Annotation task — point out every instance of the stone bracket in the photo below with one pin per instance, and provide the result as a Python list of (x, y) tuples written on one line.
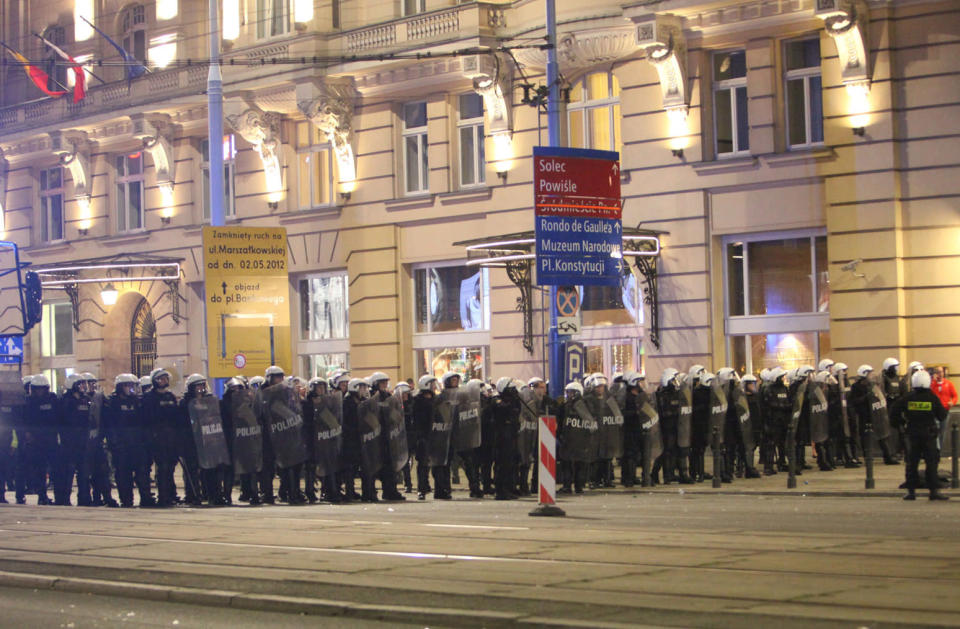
[(492, 80), (74, 151), (846, 23), (661, 37), (153, 131), (329, 106), (262, 130)]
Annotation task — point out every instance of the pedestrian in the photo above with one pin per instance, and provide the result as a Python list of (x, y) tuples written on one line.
[(943, 389), (922, 413)]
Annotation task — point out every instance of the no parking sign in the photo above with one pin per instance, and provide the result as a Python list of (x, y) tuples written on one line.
[(568, 310)]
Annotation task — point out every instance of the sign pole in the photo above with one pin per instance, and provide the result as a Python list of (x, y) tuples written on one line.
[(553, 133)]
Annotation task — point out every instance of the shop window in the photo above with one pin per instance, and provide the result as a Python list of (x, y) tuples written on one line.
[(804, 99), (51, 204), (473, 162), (612, 305), (56, 330), (129, 192), (468, 361), (731, 128), (322, 365), (229, 174), (314, 168), (593, 114), (416, 167), (324, 308), (452, 299)]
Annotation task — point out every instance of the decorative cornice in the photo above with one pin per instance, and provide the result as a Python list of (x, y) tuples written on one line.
[(577, 50), (846, 23), (329, 106), (262, 130), (74, 151), (492, 80), (661, 37), (155, 133)]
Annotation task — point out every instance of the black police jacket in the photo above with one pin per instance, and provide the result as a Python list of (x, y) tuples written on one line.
[(921, 411)]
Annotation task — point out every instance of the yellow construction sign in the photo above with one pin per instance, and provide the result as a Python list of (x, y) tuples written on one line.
[(247, 300)]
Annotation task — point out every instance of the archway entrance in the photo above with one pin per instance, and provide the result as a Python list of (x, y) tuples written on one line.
[(143, 340)]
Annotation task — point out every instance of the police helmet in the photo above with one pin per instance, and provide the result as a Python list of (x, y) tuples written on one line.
[(378, 376), (534, 381), (920, 379), (426, 383), (39, 381), (766, 375), (890, 362), (125, 378), (355, 384), (257, 381), (273, 370), (914, 366), (864, 370), (619, 376), (402, 387), (157, 373), (340, 378), (825, 364), (574, 386), (25, 381), (72, 381), (726, 374), (88, 377), (633, 378), (804, 370), (696, 370), (822, 376), (447, 376), (194, 378), (776, 373), (235, 383), (145, 382), (838, 367), (315, 381), (748, 378), (707, 378), (669, 375), (505, 383)]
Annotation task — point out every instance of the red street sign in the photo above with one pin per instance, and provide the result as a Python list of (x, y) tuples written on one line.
[(577, 183)]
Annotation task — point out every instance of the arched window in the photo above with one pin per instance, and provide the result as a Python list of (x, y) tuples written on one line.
[(143, 340), (593, 114), (55, 68), (133, 31)]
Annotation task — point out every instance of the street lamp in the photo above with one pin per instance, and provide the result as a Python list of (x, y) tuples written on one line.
[(109, 294)]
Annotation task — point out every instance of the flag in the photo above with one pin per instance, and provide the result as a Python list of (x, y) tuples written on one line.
[(134, 67), (38, 76), (79, 78)]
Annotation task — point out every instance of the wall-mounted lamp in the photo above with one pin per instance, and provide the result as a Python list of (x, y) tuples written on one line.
[(82, 231), (859, 131), (165, 220), (345, 196), (109, 295), (273, 204), (502, 174), (678, 153)]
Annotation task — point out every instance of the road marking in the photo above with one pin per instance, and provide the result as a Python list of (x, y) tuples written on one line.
[(478, 526)]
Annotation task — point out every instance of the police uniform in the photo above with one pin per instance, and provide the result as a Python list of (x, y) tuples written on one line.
[(921, 413)]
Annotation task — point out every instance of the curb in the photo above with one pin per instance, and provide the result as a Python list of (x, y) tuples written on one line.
[(427, 616), (682, 490)]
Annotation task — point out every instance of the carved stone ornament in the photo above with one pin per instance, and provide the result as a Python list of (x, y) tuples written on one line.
[(153, 132), (579, 50), (661, 37), (262, 130), (74, 151), (329, 106), (492, 80), (846, 23)]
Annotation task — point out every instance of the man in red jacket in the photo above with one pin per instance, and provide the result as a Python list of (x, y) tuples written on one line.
[(943, 388)]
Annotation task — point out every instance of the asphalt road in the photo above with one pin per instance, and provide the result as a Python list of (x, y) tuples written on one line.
[(668, 557)]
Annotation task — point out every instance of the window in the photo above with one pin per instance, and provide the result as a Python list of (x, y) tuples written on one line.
[(730, 103), (56, 70), (412, 7), (593, 115), (452, 299), (273, 18), (229, 170), (415, 165), (314, 168), (611, 305), (335, 13), (51, 204), (778, 300), (133, 24), (324, 343), (324, 307), (56, 330), (803, 93), (473, 162), (468, 361), (129, 192)]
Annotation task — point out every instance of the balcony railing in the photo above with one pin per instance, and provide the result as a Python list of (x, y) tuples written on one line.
[(460, 22)]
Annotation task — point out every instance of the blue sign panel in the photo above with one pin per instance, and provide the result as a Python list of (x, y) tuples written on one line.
[(578, 229), (11, 349)]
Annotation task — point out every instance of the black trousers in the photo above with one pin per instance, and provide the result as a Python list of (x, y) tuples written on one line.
[(441, 480), (923, 444), (70, 466), (132, 467)]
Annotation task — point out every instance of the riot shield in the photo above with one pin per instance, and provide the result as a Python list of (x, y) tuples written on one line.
[(653, 437), (208, 432), (718, 412), (611, 430), (819, 417), (368, 414), (685, 419), (441, 429), (878, 411), (579, 434), (247, 433), (798, 399), (11, 405), (391, 420), (527, 436), (328, 421), (466, 430), (844, 409), (283, 412), (742, 405)]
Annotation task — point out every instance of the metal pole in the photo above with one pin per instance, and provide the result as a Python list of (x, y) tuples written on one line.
[(715, 451), (215, 120), (868, 454), (955, 454), (553, 133)]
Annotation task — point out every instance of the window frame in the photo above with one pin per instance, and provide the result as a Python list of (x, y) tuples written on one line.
[(307, 347), (46, 195), (314, 148), (229, 175), (267, 7), (420, 8), (431, 352), (430, 339), (423, 143), (137, 14), (732, 85), (476, 124), (585, 106), (58, 77), (123, 183), (804, 74), (48, 333)]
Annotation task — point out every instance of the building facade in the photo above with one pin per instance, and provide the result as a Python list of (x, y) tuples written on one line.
[(798, 159)]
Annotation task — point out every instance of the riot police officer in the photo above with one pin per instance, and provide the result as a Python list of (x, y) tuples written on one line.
[(670, 403), (74, 428), (39, 438), (870, 404), (96, 464), (778, 406), (161, 416), (922, 413), (350, 451), (127, 440), (423, 415), (507, 425)]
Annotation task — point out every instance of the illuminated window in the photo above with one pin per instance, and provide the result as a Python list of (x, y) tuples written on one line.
[(56, 330), (314, 168), (324, 343), (593, 114), (473, 162), (416, 167), (731, 128), (51, 204), (804, 99), (452, 299), (469, 362), (129, 192), (778, 299), (229, 170)]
